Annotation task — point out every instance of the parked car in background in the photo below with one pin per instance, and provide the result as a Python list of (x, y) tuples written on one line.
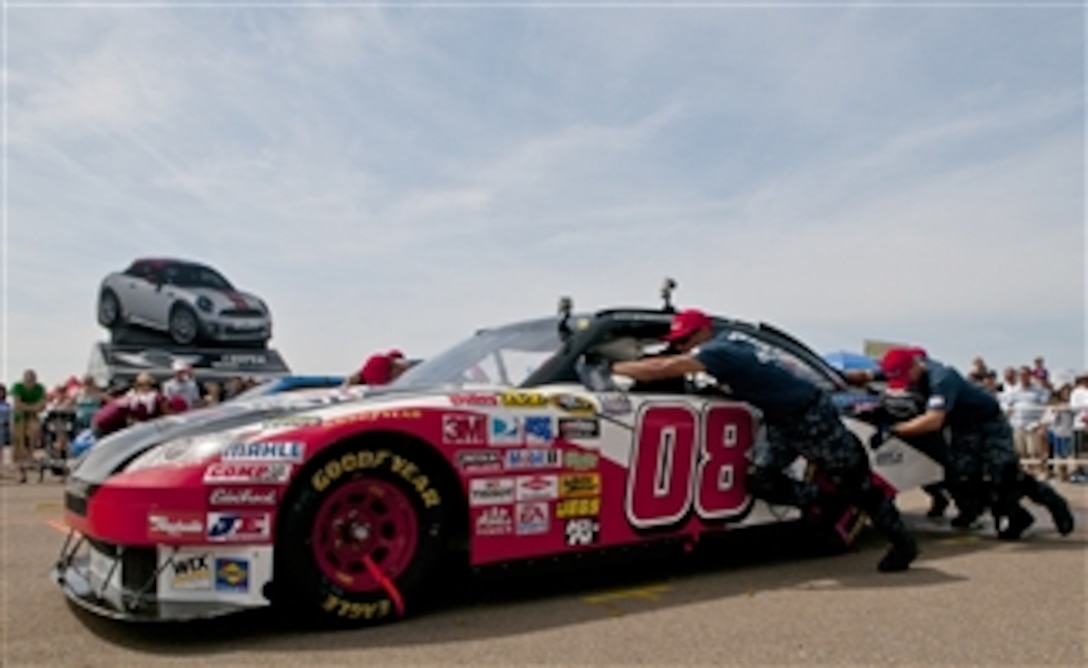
[(188, 301)]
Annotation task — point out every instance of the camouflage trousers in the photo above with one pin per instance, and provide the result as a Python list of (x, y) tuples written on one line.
[(819, 435), (980, 454)]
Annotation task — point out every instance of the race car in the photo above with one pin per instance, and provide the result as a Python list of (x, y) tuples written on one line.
[(189, 301), (514, 445)]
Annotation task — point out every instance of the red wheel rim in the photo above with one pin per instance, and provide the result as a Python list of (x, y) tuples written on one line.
[(364, 518)]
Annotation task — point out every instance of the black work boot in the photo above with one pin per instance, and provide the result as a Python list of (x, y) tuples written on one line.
[(1019, 521), (937, 507), (1058, 507), (966, 518), (898, 558)]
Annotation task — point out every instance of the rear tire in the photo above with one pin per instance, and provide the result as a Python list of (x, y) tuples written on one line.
[(366, 502), (109, 309)]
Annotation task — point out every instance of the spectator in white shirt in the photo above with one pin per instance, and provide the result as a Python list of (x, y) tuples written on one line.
[(182, 386), (1025, 405), (1059, 420)]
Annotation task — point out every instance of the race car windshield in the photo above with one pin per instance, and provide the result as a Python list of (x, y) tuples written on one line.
[(196, 276), (502, 356)]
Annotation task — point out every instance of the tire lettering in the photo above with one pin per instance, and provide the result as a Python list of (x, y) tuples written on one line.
[(366, 459), (355, 610), (684, 461)]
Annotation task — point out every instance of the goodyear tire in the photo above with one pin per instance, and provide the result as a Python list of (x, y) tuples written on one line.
[(109, 309), (361, 537)]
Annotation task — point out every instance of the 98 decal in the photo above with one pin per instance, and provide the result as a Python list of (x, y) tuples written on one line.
[(683, 458)]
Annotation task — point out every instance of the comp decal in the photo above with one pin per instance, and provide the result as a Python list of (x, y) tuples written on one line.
[(384, 460)]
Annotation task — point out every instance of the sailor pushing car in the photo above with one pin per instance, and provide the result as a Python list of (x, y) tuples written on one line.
[(980, 451), (800, 418)]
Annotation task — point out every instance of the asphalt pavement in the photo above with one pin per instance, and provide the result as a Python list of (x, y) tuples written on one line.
[(970, 600)]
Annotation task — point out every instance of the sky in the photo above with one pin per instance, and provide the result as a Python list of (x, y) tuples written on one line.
[(401, 175)]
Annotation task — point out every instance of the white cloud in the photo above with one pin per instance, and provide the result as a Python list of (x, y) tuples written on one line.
[(400, 176)]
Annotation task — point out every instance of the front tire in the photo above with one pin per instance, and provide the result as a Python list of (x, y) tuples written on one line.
[(184, 325), (361, 539)]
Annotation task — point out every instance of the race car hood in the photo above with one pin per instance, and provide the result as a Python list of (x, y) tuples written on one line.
[(227, 299), (112, 453)]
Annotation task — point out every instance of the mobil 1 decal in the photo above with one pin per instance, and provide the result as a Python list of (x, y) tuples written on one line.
[(685, 460)]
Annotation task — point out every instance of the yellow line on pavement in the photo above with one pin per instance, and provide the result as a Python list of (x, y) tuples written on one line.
[(647, 593), (43, 506)]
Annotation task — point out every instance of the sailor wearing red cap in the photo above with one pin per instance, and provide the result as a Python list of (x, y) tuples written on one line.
[(980, 453), (380, 369), (800, 418)]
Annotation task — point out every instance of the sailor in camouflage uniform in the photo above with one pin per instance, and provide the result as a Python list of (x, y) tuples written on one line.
[(801, 420), (981, 462)]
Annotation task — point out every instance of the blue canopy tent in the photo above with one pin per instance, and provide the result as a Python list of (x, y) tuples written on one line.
[(844, 360)]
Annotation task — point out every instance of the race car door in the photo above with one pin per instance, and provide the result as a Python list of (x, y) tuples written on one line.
[(688, 461)]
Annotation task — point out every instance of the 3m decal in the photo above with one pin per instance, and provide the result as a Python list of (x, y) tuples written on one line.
[(242, 496), (504, 430), (292, 451), (537, 488), (539, 430), (495, 521), (363, 460), (519, 399), (247, 472), (479, 461), (349, 610), (521, 459), (461, 429), (472, 399), (232, 575), (580, 461), (579, 485), (573, 403), (582, 531), (682, 460), (167, 526), (191, 573), (490, 491), (577, 508), (239, 526), (574, 428), (532, 518)]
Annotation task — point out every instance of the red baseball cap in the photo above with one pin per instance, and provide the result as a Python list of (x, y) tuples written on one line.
[(897, 363), (687, 322)]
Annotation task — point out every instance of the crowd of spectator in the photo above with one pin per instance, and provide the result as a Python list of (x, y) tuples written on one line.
[(1048, 415), (34, 418)]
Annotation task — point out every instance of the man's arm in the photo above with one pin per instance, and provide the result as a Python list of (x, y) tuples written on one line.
[(658, 368), (926, 423)]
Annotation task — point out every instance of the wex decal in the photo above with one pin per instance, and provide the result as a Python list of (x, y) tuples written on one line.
[(191, 573), (265, 451), (234, 527)]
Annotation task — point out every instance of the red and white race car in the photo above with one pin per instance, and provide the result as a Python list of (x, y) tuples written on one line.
[(514, 445)]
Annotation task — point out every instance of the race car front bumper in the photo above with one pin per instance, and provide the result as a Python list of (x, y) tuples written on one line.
[(123, 584)]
